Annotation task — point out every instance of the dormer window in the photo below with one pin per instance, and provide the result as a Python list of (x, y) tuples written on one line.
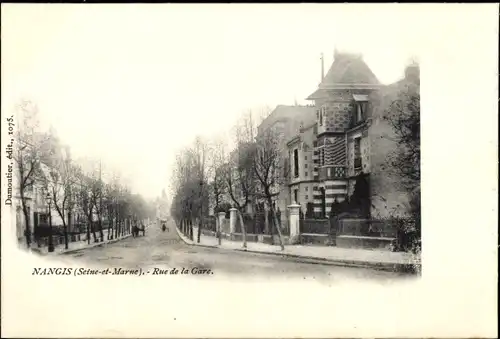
[(360, 116), (360, 108)]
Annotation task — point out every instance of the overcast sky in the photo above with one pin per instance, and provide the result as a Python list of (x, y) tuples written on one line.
[(131, 84)]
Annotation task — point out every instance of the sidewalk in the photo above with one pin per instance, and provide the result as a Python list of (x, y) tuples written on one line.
[(352, 257), (78, 245)]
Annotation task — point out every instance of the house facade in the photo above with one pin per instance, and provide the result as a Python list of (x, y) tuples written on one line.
[(348, 141), (285, 121), (301, 176), (342, 147), (341, 142), (35, 195)]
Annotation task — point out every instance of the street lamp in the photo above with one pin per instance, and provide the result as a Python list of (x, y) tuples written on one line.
[(48, 198)]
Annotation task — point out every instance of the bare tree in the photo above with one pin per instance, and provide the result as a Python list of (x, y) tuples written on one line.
[(96, 196), (62, 176), (182, 206), (270, 170), (239, 173), (190, 186), (85, 185), (201, 153), (110, 198), (31, 144), (218, 184)]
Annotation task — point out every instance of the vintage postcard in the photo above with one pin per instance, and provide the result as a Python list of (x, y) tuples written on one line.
[(251, 170)]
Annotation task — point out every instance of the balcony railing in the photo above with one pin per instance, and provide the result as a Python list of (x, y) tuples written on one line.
[(331, 172)]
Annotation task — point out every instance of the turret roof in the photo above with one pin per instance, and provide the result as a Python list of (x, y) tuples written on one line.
[(347, 71)]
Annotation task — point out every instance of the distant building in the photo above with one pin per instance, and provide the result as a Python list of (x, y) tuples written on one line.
[(162, 206)]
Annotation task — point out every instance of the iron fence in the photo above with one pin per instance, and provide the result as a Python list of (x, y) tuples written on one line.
[(209, 223), (367, 227), (315, 226)]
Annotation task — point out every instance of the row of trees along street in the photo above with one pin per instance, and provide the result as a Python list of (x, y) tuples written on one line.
[(44, 164), (252, 171)]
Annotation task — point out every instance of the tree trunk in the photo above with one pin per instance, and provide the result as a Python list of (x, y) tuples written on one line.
[(266, 222), (89, 225), (273, 214), (110, 227), (243, 230), (65, 225), (65, 228), (101, 233), (117, 222), (93, 232), (190, 226), (218, 229), (69, 220), (200, 223), (27, 230)]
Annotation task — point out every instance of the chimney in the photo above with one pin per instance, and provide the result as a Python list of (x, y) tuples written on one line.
[(322, 67), (412, 72)]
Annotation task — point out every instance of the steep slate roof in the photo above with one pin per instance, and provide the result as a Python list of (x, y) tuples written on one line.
[(304, 114), (348, 70)]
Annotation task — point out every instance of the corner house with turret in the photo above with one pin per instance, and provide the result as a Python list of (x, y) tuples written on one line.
[(346, 147)]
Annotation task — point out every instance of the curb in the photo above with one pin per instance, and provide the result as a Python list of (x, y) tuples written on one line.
[(92, 245), (392, 267), (97, 244), (190, 242)]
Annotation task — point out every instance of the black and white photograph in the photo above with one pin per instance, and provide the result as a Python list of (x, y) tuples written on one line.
[(169, 162)]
